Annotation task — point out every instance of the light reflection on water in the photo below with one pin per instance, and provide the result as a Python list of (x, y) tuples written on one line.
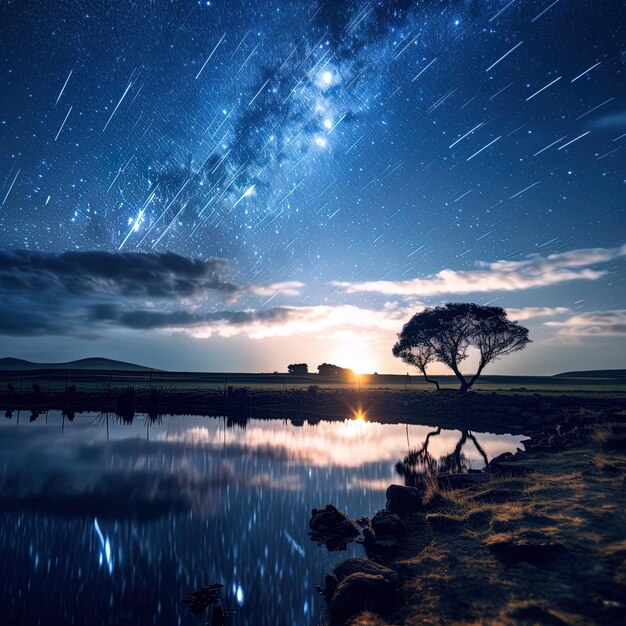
[(118, 531)]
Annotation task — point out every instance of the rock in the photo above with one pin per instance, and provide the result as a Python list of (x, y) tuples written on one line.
[(352, 566), (514, 466), (330, 584), (386, 522), (382, 547), (513, 552), (401, 499), (327, 518), (332, 527), (505, 456), (361, 591)]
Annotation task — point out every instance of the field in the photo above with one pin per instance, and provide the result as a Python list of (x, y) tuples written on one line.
[(102, 380), (499, 404)]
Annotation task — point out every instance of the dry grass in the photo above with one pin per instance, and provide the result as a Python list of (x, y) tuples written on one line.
[(575, 499), (602, 434)]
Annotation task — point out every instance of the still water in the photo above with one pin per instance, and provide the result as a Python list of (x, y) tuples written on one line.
[(115, 525)]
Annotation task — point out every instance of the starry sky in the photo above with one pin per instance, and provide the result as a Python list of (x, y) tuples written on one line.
[(242, 184)]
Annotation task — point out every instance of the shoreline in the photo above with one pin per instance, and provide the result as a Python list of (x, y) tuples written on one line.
[(538, 538), (480, 411)]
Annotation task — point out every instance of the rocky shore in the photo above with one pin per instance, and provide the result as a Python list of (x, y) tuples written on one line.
[(537, 537)]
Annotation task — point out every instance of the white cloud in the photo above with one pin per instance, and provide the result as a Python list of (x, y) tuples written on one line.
[(535, 271), (536, 311), (318, 321), (596, 323), (286, 288)]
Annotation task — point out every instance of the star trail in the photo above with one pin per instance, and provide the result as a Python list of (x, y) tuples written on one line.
[(317, 141)]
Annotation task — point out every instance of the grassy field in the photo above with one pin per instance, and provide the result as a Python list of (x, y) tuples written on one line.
[(101, 380)]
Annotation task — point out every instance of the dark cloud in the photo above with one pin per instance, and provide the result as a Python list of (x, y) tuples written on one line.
[(128, 274), (143, 319), (71, 293), (84, 293)]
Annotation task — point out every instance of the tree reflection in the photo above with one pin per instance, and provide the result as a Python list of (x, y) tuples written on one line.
[(420, 465)]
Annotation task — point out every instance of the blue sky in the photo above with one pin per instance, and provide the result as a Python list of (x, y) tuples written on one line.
[(348, 163)]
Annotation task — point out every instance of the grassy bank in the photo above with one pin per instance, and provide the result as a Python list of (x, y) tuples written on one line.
[(541, 543), (497, 412)]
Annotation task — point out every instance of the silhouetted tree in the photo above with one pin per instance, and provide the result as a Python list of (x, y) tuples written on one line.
[(328, 369), (298, 368), (446, 333), (419, 356)]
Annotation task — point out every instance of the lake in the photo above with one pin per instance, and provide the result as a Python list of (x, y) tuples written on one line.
[(114, 524)]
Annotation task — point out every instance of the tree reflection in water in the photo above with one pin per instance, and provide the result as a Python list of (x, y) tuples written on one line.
[(419, 465)]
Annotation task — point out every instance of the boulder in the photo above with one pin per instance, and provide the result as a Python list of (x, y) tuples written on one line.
[(358, 592), (510, 464), (332, 527), (401, 499), (385, 522), (512, 468), (381, 547), (505, 456), (352, 566)]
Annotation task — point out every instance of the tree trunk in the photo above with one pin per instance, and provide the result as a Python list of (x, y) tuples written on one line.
[(430, 380), (475, 376), (464, 385)]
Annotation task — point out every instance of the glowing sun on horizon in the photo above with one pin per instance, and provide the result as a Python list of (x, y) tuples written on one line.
[(355, 358)]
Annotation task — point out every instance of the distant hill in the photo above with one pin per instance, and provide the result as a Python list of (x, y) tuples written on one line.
[(95, 363), (593, 374)]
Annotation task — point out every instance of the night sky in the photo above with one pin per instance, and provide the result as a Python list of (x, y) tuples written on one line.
[(241, 184)]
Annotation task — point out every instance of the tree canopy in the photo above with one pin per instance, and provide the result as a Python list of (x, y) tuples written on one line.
[(446, 333), (298, 368), (328, 369)]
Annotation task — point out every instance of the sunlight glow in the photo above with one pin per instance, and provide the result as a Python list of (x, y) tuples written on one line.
[(356, 358), (358, 425)]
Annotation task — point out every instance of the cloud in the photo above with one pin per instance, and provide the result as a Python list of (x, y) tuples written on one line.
[(82, 293), (279, 321), (593, 324), (287, 288), (318, 321), (539, 311), (535, 271), (87, 293), (128, 274), (613, 120)]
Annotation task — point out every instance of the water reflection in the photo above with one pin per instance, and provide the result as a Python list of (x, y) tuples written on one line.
[(419, 464), (109, 520)]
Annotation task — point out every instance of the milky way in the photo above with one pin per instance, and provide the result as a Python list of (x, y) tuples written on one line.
[(314, 141)]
